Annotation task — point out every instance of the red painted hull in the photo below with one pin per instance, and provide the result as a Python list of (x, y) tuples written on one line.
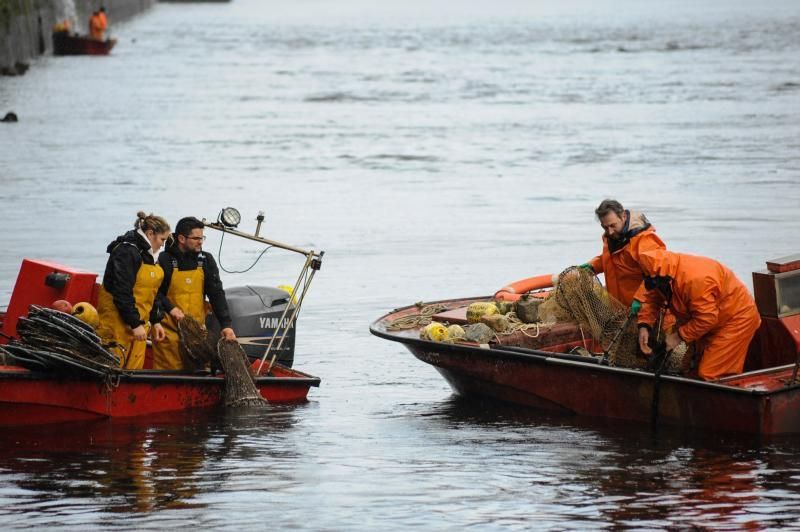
[(32, 398), (758, 402), (66, 44)]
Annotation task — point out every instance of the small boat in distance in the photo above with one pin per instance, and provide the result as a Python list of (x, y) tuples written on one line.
[(539, 370), (65, 43)]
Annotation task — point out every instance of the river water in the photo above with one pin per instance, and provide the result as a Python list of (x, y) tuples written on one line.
[(433, 150)]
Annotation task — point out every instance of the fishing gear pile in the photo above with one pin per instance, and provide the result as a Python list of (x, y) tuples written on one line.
[(578, 297), (240, 389), (196, 351), (54, 341), (487, 321)]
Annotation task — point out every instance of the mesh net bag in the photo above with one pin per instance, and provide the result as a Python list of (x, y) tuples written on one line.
[(579, 298), (240, 390), (196, 351)]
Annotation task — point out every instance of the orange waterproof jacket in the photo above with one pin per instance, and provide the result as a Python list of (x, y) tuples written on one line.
[(620, 261), (712, 306), (96, 27)]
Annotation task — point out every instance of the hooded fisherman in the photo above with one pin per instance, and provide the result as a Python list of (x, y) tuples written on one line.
[(190, 274), (126, 302), (626, 234), (712, 307)]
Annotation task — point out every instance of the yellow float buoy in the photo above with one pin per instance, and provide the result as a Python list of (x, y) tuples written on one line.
[(455, 332), (86, 313), (478, 310), (435, 332)]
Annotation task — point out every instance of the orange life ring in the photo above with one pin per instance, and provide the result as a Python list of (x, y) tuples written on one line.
[(513, 291)]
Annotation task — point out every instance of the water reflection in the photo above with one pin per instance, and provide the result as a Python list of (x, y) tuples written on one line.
[(139, 465), (628, 475)]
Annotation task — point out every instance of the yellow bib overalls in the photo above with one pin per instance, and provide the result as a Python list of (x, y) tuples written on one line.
[(113, 329), (185, 292)]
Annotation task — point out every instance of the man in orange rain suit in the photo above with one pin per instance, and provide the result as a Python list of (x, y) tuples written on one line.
[(626, 235), (101, 16), (98, 24), (96, 27), (712, 307)]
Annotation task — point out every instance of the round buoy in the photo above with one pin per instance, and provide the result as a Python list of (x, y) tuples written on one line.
[(435, 331), (62, 305), (86, 313), (455, 332), (478, 310)]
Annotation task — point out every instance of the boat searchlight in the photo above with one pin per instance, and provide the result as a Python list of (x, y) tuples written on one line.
[(227, 222), (229, 217)]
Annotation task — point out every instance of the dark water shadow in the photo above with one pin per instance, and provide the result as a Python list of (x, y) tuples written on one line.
[(636, 476), (136, 465)]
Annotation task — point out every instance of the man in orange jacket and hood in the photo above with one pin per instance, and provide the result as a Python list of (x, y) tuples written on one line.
[(712, 306), (626, 235)]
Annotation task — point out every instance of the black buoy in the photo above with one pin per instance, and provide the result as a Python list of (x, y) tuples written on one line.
[(11, 116)]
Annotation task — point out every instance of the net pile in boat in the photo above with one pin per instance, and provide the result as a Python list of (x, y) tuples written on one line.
[(240, 389), (54, 341), (196, 351), (578, 297)]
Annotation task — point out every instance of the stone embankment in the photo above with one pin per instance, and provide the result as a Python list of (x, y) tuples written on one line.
[(25, 25)]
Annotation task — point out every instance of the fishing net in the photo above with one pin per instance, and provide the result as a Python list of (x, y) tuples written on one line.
[(240, 389), (54, 341), (195, 349), (578, 297)]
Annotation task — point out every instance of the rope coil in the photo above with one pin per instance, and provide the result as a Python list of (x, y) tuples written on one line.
[(422, 318)]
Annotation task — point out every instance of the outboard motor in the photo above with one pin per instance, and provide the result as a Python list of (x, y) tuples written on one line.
[(256, 312)]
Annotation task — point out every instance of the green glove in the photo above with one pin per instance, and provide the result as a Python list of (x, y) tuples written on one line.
[(636, 306), (587, 266)]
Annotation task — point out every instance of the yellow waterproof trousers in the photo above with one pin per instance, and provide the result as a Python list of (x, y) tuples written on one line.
[(113, 329), (185, 292)]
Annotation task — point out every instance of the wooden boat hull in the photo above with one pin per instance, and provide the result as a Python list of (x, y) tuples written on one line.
[(66, 44), (28, 398), (758, 402)]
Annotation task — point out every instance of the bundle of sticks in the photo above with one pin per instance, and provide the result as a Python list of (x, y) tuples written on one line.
[(54, 341)]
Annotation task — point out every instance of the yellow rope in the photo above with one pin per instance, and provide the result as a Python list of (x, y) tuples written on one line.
[(423, 317), (517, 325)]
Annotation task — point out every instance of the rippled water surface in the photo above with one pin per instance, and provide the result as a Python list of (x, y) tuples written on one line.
[(432, 152)]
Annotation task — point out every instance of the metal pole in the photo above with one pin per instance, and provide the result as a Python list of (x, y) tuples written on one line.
[(291, 320), (235, 232), (285, 311)]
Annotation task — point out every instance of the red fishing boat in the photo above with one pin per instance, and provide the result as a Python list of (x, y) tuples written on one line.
[(536, 370), (65, 43), (262, 316)]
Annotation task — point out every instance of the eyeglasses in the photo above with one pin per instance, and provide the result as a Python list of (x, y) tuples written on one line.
[(198, 238)]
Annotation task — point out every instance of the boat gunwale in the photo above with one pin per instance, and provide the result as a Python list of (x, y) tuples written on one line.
[(155, 376)]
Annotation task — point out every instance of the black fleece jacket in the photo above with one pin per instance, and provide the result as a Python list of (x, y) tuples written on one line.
[(127, 253)]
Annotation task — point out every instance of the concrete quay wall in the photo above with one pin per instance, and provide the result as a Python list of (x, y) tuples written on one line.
[(25, 25)]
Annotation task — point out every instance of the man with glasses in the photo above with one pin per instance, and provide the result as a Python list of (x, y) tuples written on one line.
[(190, 275)]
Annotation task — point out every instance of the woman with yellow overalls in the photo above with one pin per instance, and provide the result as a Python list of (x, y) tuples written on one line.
[(190, 274), (126, 302)]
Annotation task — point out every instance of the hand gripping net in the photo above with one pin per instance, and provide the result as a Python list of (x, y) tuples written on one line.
[(579, 298)]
